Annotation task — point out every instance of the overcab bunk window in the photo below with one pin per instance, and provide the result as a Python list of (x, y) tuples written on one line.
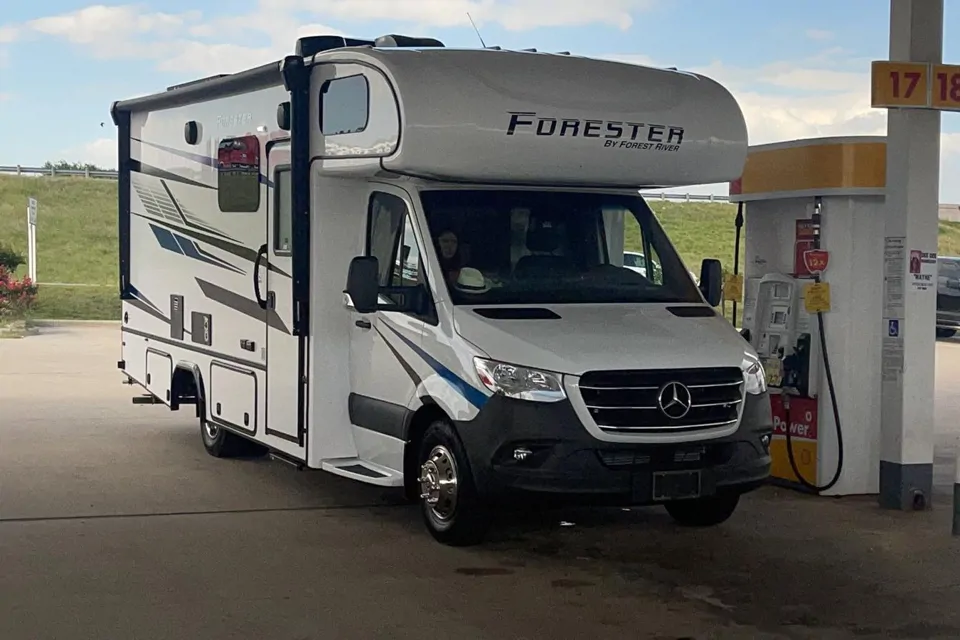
[(345, 105), (238, 174)]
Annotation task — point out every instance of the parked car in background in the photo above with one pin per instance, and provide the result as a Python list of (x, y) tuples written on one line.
[(636, 261), (948, 296)]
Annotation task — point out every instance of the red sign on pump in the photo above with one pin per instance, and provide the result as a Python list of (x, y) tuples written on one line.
[(803, 242), (816, 261)]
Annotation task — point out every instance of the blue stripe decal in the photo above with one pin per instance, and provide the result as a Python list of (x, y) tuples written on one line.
[(473, 395), (166, 239), (183, 246)]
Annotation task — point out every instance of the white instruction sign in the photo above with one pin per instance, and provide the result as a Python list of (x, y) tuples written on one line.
[(923, 270), (894, 265), (32, 211)]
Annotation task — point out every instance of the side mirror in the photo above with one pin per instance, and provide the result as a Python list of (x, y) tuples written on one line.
[(363, 283), (711, 281)]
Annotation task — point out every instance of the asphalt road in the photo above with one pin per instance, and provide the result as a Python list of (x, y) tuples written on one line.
[(114, 523)]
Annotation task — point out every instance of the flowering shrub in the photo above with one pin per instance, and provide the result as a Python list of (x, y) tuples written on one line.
[(16, 296)]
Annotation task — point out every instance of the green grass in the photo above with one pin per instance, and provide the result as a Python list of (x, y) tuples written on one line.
[(77, 239), (76, 242)]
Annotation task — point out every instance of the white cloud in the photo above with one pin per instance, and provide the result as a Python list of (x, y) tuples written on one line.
[(819, 34), (194, 44), (8, 33), (101, 152)]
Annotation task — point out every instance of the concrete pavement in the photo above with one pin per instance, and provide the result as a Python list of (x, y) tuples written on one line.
[(115, 523)]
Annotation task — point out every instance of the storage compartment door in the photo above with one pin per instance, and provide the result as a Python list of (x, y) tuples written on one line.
[(233, 396), (159, 374)]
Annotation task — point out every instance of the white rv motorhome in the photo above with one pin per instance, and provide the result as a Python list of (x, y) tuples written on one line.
[(403, 263)]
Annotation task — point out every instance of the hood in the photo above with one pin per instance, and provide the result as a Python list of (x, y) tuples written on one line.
[(573, 339)]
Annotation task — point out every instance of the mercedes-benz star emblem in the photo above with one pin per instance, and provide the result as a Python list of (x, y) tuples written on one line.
[(674, 400)]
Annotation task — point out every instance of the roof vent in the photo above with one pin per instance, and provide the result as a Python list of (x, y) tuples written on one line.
[(394, 40), (529, 50), (310, 45)]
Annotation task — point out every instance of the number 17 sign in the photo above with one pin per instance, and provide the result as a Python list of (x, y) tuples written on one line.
[(900, 84), (917, 85)]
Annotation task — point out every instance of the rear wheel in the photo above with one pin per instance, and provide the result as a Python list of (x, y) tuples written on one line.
[(946, 333), (449, 503), (221, 443), (703, 512)]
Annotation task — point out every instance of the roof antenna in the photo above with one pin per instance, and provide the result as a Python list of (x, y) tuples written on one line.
[(482, 43)]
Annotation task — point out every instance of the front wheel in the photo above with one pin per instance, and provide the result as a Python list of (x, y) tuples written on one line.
[(703, 512), (449, 502)]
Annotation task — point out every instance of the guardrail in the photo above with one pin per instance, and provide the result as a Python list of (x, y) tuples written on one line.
[(112, 175)]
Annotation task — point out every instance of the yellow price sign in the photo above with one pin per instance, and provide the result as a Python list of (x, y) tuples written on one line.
[(816, 297), (733, 287), (899, 84)]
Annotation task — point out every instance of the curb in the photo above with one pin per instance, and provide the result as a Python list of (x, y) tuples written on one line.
[(75, 323)]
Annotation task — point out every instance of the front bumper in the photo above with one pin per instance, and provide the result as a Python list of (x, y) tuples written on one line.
[(566, 462)]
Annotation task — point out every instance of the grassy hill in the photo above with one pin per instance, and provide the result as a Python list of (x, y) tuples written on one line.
[(77, 239)]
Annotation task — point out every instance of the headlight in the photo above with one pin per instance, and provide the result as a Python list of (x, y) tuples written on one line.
[(753, 376), (520, 383)]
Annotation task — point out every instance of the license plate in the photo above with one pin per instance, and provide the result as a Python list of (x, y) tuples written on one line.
[(676, 485)]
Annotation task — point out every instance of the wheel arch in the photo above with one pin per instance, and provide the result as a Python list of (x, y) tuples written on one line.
[(187, 388), (417, 422)]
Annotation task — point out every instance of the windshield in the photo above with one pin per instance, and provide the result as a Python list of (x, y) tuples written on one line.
[(543, 247)]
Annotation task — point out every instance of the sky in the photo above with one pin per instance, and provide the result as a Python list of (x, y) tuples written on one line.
[(798, 69)]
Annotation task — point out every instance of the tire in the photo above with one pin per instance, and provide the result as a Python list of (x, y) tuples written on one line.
[(703, 512), (454, 515), (221, 443), (946, 333)]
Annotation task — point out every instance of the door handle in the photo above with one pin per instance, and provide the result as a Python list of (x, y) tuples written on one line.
[(261, 254), (363, 324)]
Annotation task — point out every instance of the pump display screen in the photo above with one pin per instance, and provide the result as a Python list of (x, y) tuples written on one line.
[(781, 291), (778, 316)]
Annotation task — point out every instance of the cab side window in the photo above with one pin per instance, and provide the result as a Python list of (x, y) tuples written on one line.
[(391, 240)]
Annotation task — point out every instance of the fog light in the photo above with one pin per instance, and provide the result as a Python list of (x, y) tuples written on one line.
[(521, 453)]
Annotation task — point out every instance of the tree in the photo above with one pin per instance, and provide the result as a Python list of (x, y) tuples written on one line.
[(71, 166)]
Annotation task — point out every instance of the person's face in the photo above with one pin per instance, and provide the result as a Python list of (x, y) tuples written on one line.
[(448, 245)]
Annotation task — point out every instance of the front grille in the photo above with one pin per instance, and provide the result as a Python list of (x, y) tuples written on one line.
[(628, 401)]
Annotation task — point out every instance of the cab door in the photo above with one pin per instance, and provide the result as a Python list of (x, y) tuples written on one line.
[(384, 346), (283, 347)]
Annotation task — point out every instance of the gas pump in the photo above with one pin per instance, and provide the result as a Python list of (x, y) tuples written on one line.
[(799, 199), (788, 336)]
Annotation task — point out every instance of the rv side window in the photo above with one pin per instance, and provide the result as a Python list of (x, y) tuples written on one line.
[(390, 239), (238, 174), (283, 215), (344, 105)]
